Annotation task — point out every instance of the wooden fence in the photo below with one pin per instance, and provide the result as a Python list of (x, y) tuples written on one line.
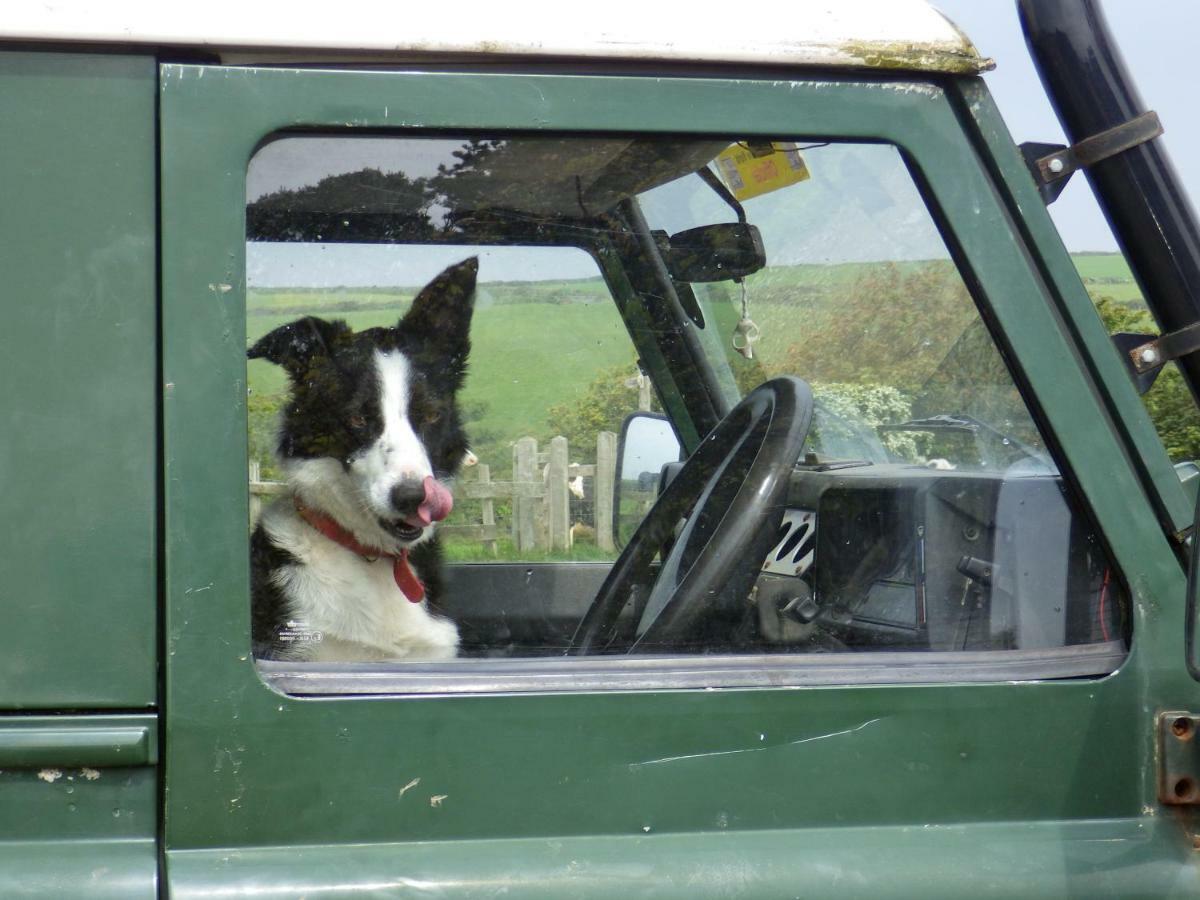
[(541, 517)]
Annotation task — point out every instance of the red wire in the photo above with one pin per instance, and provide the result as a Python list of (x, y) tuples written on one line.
[(1103, 595)]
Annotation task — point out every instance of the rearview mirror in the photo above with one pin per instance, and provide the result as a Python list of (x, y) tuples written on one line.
[(720, 252), (647, 444)]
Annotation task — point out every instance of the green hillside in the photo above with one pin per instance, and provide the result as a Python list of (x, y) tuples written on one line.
[(888, 341), (540, 344), (527, 356), (1107, 274)]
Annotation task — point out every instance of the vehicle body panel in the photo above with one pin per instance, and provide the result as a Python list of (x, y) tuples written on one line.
[(79, 811), (780, 784), (79, 461), (78, 454), (1048, 859)]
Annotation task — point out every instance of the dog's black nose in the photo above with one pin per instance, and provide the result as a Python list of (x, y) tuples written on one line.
[(407, 496)]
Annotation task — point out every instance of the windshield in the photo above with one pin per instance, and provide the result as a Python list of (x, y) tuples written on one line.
[(859, 297)]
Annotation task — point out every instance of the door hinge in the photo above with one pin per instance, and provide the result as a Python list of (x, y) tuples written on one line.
[(1178, 758)]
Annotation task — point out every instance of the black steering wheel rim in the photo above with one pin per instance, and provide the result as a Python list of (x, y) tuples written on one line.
[(763, 434)]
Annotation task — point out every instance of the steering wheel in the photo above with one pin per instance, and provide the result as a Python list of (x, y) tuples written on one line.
[(733, 490)]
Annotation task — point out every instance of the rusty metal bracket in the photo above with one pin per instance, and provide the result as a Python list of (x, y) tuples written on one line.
[(1161, 350), (1178, 758), (1098, 147), (1052, 164)]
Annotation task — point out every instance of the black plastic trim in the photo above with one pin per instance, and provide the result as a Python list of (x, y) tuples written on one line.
[(1141, 196)]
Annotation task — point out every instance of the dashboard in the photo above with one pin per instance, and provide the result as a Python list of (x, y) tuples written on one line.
[(907, 557)]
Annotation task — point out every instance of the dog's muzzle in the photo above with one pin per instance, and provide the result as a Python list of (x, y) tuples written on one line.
[(419, 504)]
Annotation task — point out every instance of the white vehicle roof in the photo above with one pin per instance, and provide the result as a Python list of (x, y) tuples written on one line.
[(904, 35)]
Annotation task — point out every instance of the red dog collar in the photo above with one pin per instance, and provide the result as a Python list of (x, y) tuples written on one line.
[(406, 579)]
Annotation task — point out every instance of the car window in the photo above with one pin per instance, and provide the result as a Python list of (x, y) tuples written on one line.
[(1118, 299), (476, 361), (552, 375), (864, 302)]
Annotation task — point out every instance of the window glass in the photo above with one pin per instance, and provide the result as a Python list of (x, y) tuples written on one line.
[(475, 364), (1110, 284), (864, 302)]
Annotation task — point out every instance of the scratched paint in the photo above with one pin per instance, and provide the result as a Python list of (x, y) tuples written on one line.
[(756, 749), (408, 787)]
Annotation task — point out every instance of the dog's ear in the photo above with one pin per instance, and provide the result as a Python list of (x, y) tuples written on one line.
[(294, 344), (441, 312)]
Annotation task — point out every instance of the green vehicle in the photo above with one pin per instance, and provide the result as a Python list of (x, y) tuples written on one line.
[(813, 539)]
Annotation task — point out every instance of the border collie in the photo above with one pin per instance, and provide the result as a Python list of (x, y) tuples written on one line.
[(345, 565)]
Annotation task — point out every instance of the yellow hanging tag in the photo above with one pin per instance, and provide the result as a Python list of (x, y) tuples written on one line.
[(752, 169)]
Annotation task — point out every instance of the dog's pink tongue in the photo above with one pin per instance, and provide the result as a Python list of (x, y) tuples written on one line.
[(437, 503)]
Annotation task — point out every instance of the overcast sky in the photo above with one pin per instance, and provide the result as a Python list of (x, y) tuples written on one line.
[(1156, 37)]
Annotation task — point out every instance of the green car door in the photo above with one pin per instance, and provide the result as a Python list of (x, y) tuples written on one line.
[(78, 469), (1000, 766)]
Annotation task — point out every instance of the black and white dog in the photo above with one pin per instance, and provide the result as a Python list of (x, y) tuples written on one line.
[(344, 565)]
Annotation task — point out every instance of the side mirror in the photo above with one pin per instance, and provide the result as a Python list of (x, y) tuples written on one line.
[(647, 444), (720, 252)]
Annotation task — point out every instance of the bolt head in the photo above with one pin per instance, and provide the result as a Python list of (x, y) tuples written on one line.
[(1056, 166), (1149, 356)]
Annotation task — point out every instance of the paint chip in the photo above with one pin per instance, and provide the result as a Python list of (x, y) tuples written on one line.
[(408, 787), (50, 775), (89, 774), (436, 800)]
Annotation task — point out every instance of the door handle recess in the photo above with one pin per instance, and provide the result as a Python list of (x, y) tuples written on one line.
[(28, 742)]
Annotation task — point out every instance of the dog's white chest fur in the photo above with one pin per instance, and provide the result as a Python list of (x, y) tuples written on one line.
[(353, 604)]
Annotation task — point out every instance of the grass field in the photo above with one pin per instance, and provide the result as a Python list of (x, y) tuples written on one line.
[(526, 357), (1107, 274), (460, 550), (272, 301), (540, 344)]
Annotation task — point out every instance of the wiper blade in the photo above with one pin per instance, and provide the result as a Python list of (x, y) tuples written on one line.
[(966, 424), (941, 423), (810, 462)]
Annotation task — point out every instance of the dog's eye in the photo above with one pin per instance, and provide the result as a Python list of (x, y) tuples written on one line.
[(357, 422), (431, 417)]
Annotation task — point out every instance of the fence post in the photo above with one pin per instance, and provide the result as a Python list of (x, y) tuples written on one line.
[(524, 472), (489, 507), (558, 512), (603, 484), (255, 503)]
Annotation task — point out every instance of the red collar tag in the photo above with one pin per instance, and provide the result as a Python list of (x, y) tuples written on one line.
[(406, 579)]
